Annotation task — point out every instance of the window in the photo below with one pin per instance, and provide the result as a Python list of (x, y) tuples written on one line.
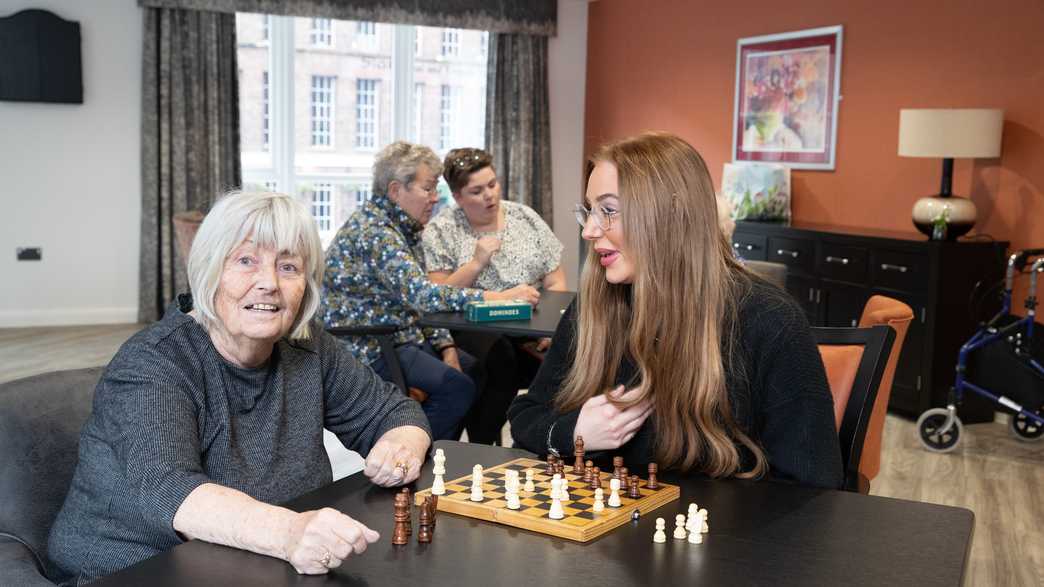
[(447, 117), (264, 111), (362, 194), (366, 35), (312, 126), (322, 32), (417, 41), (322, 206), (266, 22), (450, 42), (366, 113), (322, 110)]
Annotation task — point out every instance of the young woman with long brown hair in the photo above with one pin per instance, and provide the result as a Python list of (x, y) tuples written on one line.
[(673, 353)]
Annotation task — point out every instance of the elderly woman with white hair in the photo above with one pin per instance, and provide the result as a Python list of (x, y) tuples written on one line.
[(207, 417), (376, 275)]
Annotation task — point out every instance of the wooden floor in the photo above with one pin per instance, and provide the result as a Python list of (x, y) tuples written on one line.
[(997, 477)]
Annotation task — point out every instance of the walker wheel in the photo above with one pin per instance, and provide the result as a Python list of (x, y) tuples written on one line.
[(929, 426), (1025, 428)]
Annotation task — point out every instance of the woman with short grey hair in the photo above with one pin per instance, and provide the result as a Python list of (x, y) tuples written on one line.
[(207, 417)]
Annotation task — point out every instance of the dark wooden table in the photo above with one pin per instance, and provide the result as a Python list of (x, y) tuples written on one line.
[(543, 323), (761, 533)]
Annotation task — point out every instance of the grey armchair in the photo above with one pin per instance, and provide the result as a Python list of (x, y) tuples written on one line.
[(40, 422)]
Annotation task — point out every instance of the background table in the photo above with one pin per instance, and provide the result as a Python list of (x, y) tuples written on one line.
[(545, 318), (761, 533)]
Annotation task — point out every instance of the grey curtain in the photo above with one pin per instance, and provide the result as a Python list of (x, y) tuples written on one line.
[(518, 119), (534, 17), (190, 137)]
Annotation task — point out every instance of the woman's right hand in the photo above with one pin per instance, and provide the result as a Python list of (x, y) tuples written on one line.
[(484, 249), (526, 293), (606, 427), (318, 534)]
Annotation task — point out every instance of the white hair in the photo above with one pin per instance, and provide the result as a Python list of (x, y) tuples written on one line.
[(276, 221), (399, 162)]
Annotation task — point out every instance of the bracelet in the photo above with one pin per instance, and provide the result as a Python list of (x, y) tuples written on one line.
[(445, 347), (550, 430)]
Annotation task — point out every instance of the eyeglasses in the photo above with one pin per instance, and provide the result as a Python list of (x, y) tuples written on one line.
[(603, 218)]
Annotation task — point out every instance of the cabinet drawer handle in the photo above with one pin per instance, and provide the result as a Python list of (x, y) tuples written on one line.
[(841, 260), (781, 252), (747, 247), (890, 267)]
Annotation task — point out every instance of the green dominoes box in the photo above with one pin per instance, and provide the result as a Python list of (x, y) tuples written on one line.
[(498, 310)]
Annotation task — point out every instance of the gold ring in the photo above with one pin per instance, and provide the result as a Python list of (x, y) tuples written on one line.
[(325, 561), (402, 468)]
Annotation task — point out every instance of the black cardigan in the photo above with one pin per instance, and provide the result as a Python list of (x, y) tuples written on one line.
[(783, 403)]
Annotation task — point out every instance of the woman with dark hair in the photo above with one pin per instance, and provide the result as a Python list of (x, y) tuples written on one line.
[(494, 244), (673, 353)]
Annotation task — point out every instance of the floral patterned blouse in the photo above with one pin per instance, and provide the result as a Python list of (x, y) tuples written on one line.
[(528, 248), (375, 275)]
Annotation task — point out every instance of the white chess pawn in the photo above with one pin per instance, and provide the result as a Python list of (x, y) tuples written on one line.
[(695, 537), (614, 495), (556, 488), (513, 502), (679, 527), (660, 536), (439, 486), (701, 516), (690, 518), (556, 512), (599, 502), (563, 494), (476, 483), (529, 486)]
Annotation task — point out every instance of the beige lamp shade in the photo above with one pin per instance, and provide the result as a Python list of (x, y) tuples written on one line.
[(950, 133)]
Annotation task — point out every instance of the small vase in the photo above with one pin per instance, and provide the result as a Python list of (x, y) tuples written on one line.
[(959, 212)]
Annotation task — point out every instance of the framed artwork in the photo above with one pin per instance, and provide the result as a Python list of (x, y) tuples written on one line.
[(787, 92)]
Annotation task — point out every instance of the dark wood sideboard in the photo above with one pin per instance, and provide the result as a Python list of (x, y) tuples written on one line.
[(833, 271)]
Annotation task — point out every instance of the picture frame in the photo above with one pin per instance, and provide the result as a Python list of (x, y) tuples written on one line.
[(787, 97)]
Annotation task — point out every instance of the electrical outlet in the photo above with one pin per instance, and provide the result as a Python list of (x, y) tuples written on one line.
[(29, 253)]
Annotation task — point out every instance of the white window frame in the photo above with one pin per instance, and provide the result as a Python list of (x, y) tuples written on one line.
[(362, 194), (322, 107), (266, 122), (322, 198), (367, 115), (322, 32), (450, 46), (418, 112), (449, 107), (366, 35)]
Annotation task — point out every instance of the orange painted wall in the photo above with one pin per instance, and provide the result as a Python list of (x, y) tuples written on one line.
[(670, 65)]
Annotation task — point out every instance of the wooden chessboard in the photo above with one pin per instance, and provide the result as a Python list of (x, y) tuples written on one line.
[(580, 523)]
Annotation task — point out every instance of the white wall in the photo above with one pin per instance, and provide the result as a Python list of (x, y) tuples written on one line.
[(567, 75), (70, 180)]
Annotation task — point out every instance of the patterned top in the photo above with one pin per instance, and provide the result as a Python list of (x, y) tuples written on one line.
[(528, 248), (375, 275)]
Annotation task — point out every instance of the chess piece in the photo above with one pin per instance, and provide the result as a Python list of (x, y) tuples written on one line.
[(702, 517), (588, 469), (563, 494), (400, 535), (578, 454), (476, 483), (511, 487), (633, 491), (424, 531), (439, 470), (551, 470), (690, 518), (614, 493), (596, 478), (679, 527), (695, 537), (618, 464), (652, 483), (432, 501), (409, 510), (625, 478), (529, 487), (556, 512), (660, 536), (599, 500)]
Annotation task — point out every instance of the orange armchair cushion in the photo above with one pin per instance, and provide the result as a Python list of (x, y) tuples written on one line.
[(841, 363)]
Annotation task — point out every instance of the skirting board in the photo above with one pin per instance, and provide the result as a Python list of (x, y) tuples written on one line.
[(67, 317)]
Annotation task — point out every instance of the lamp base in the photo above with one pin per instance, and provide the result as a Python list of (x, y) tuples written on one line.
[(958, 215)]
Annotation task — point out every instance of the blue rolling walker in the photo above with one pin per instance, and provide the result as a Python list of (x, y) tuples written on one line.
[(1007, 363)]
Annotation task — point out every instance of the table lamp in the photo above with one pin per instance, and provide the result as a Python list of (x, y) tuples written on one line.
[(947, 134)]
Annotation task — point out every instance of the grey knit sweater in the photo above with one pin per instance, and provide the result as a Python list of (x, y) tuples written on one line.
[(171, 414)]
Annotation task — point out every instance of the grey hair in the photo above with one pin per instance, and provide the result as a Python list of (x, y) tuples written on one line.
[(399, 162), (276, 221)]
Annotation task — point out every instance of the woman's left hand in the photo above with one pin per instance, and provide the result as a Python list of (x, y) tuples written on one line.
[(451, 358), (397, 456), (543, 344)]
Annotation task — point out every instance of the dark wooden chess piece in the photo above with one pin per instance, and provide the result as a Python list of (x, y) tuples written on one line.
[(550, 464), (624, 477), (400, 535), (652, 483), (634, 492), (618, 464), (596, 478), (588, 469), (432, 503), (409, 510), (578, 454), (424, 531)]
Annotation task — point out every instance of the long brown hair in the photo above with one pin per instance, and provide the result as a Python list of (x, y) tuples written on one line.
[(676, 320)]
